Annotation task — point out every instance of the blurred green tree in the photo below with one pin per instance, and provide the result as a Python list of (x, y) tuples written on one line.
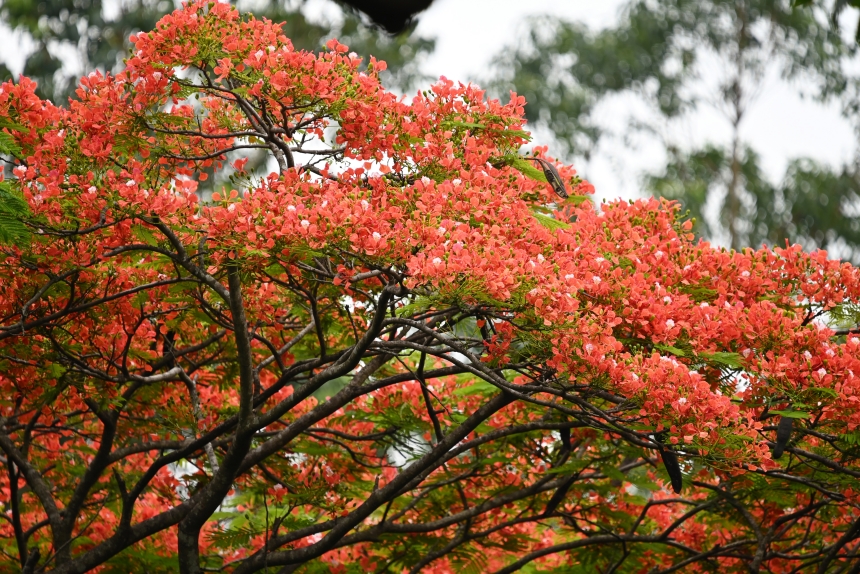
[(837, 8), (668, 52)]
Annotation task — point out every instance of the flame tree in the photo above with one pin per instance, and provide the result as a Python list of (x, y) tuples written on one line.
[(399, 350)]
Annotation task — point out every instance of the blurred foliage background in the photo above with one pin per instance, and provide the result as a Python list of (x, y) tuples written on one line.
[(673, 56)]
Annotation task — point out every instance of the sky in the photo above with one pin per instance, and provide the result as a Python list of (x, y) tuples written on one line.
[(469, 33)]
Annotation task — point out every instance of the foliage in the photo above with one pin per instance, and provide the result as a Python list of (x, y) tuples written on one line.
[(837, 8), (375, 357)]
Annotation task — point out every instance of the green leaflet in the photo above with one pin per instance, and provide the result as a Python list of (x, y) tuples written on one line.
[(846, 315), (822, 392), (723, 359), (176, 121), (275, 269), (517, 133), (7, 123), (234, 536), (550, 223), (851, 438), (458, 124), (575, 199), (13, 209), (720, 358), (304, 253), (419, 305), (8, 144), (570, 467), (469, 560), (640, 480), (670, 349), (525, 168), (144, 234), (611, 472), (477, 126), (479, 388), (698, 293), (467, 328)]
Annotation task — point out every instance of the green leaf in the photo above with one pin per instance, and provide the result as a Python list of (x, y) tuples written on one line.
[(7, 123), (467, 328), (526, 168), (670, 349), (57, 370), (851, 438), (8, 144), (458, 124), (699, 293), (641, 481), (303, 253), (612, 472), (419, 305), (479, 388), (240, 535), (11, 202), (571, 467), (550, 222), (520, 164), (575, 199), (516, 133), (144, 234), (275, 269), (730, 360), (13, 209), (823, 391)]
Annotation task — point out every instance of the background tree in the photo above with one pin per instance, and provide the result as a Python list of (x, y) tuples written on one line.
[(837, 9), (669, 52), (397, 350)]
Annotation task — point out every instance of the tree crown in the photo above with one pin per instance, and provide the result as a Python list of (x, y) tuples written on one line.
[(258, 311)]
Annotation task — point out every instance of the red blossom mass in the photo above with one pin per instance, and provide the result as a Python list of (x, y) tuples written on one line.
[(259, 314)]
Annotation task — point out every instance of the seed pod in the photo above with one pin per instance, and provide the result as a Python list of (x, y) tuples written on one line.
[(783, 435), (673, 468), (564, 435), (169, 349), (552, 177)]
